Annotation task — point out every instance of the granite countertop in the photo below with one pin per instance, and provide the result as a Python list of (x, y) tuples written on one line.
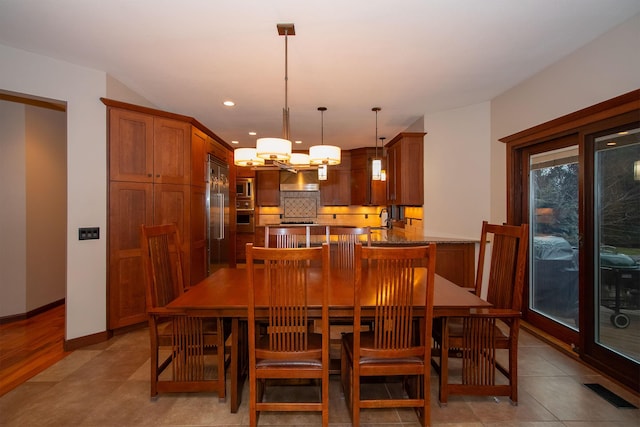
[(398, 236)]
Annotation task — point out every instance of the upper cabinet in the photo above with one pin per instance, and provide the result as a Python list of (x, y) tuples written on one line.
[(336, 191), (405, 169), (365, 191), (268, 188)]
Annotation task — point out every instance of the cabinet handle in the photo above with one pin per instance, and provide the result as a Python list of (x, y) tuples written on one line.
[(149, 175)]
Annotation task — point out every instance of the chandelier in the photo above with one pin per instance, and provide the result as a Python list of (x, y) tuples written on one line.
[(278, 150)]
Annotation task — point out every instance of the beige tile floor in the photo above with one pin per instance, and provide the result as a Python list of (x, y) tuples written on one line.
[(107, 385)]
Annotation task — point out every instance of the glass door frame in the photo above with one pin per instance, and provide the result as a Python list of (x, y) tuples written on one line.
[(555, 329)]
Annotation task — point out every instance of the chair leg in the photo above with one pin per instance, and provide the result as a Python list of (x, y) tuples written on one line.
[(443, 393), (221, 361)]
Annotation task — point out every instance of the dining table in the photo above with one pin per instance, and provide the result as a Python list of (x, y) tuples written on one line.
[(224, 294)]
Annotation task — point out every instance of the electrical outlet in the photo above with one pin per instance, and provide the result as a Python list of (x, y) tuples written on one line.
[(88, 233)]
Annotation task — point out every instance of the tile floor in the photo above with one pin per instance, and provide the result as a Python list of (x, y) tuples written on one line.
[(107, 385)]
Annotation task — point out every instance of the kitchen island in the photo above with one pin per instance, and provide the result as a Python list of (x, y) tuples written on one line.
[(455, 257)]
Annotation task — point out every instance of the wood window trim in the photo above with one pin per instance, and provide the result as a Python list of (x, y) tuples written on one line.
[(561, 126)]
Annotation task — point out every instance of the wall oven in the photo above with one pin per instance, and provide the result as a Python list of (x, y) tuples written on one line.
[(245, 221), (244, 188)]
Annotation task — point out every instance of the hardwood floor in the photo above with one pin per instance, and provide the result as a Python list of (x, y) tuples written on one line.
[(26, 351)]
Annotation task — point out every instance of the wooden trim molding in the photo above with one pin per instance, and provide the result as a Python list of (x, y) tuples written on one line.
[(76, 343), (30, 314), (569, 123)]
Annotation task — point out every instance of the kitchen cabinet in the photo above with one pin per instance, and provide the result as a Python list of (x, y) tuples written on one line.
[(268, 188), (365, 191), (456, 262), (241, 245), (405, 169), (157, 175), (336, 190)]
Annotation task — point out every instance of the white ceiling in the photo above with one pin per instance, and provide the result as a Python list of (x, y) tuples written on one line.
[(407, 57)]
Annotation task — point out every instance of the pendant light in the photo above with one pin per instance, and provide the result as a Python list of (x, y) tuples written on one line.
[(275, 149), (324, 154), (383, 172), (376, 163), (322, 168)]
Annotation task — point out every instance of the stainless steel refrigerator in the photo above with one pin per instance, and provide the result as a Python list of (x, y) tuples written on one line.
[(218, 218)]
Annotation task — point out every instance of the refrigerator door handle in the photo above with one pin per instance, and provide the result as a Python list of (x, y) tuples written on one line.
[(220, 202)]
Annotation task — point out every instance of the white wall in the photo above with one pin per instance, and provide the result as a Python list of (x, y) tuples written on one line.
[(81, 88), (603, 69), (13, 210), (457, 171), (46, 188)]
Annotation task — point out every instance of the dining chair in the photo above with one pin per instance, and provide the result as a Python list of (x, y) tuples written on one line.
[(186, 342), (479, 338), (394, 348), (285, 237), (342, 241), (287, 350)]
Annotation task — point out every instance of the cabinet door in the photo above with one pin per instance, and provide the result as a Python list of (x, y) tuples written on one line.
[(171, 205), (130, 205), (172, 151), (130, 146), (392, 175), (268, 188), (411, 183), (199, 258), (199, 149), (336, 190)]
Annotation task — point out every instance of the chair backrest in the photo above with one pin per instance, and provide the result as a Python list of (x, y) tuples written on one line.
[(282, 281), (162, 263), (343, 242), (505, 278), (392, 271)]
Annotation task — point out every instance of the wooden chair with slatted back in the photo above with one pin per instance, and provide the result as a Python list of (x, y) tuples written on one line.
[(479, 337), (287, 350), (186, 340), (393, 348), (285, 237), (343, 242)]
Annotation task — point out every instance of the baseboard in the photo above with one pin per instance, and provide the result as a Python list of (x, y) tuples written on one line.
[(30, 314), (77, 343)]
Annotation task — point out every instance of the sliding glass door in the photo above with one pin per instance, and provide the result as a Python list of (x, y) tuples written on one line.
[(615, 291), (576, 181)]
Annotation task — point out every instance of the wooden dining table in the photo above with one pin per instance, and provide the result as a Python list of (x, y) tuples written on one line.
[(224, 294)]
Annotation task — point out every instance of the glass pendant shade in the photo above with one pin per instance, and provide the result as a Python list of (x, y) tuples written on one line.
[(636, 170), (324, 155), (383, 175), (246, 157), (273, 148), (322, 173), (299, 159), (376, 169)]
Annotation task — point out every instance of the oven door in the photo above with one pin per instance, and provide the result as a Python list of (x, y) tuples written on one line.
[(245, 221)]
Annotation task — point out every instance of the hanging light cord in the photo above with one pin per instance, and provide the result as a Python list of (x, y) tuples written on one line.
[(285, 111), (376, 109)]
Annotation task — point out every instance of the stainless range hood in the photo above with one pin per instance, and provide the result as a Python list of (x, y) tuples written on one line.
[(306, 180)]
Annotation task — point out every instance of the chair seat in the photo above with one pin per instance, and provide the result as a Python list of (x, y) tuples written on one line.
[(366, 342)]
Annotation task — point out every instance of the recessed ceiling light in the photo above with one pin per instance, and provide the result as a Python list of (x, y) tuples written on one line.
[(229, 103), (252, 133), (611, 143), (234, 142), (298, 142)]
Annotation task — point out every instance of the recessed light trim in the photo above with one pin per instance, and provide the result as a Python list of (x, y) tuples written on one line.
[(229, 103)]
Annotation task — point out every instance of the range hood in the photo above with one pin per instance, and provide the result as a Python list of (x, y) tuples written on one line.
[(306, 180)]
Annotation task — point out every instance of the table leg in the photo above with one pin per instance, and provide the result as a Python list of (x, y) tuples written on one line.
[(238, 362)]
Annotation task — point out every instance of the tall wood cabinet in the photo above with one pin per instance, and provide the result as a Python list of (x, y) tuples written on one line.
[(405, 169), (157, 175)]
